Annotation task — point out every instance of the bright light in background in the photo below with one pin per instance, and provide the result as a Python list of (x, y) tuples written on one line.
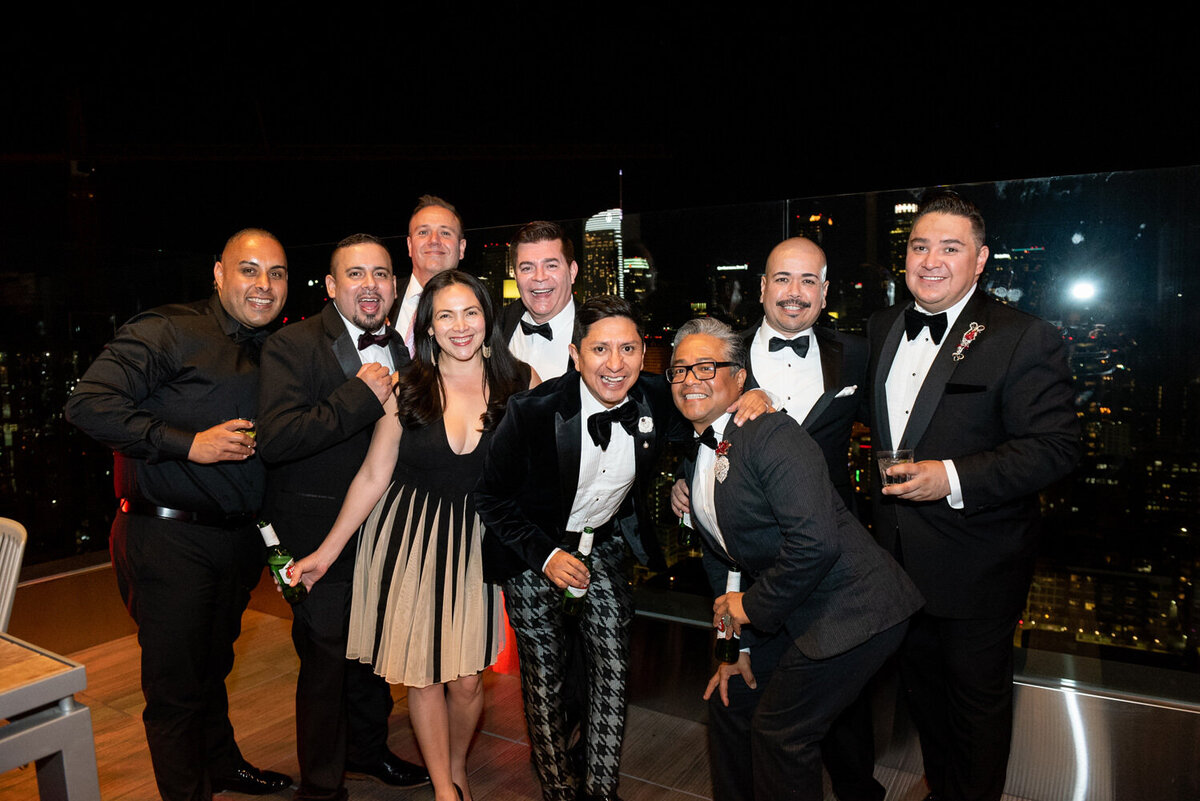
[(1083, 290), (1076, 238)]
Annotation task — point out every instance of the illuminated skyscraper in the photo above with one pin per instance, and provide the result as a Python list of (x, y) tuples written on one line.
[(903, 215), (602, 271)]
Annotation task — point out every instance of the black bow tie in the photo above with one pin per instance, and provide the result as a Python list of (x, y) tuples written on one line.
[(914, 321), (530, 329), (799, 345), (599, 425), (251, 340), (367, 340), (708, 437)]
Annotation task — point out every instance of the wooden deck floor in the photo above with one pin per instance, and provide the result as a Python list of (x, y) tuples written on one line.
[(665, 756)]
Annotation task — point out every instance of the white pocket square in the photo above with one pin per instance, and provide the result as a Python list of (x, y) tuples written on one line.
[(847, 391)]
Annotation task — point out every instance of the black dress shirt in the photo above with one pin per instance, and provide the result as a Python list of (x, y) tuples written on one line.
[(169, 373)]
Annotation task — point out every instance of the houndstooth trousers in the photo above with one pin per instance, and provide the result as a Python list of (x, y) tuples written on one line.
[(535, 610)]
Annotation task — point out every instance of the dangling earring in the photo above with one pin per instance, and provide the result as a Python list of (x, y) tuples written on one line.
[(487, 351), (433, 351)]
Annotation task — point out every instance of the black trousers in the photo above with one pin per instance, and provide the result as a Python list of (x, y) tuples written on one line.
[(535, 610), (848, 749), (186, 586), (342, 707), (958, 676), (769, 743)]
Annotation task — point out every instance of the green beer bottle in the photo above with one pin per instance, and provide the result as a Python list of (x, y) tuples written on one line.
[(575, 597), (279, 562), (728, 645), (687, 537)]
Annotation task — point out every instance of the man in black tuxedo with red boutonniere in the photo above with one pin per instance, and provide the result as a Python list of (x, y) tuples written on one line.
[(823, 605), (982, 394)]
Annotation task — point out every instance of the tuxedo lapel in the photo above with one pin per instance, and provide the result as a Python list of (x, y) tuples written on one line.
[(342, 344), (830, 350), (568, 429), (689, 475), (939, 373), (724, 503), (397, 350), (748, 337), (886, 356), (510, 319), (643, 441)]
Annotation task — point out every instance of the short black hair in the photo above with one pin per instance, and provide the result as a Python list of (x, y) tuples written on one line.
[(598, 308), (356, 239), (542, 231), (941, 200)]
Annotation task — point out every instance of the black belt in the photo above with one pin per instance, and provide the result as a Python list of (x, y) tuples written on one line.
[(134, 507)]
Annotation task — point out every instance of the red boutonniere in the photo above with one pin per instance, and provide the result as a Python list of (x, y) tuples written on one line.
[(970, 336), (722, 466)]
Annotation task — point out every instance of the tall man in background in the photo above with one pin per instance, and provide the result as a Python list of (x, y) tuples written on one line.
[(982, 393), (435, 244), (174, 395), (324, 381)]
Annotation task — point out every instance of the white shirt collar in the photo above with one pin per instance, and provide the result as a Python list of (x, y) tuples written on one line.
[(562, 325), (589, 405), (414, 288), (765, 332)]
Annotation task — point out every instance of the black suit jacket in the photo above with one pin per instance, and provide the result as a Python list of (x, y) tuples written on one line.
[(843, 364), (1003, 413), (314, 427), (813, 570), (510, 318), (531, 474)]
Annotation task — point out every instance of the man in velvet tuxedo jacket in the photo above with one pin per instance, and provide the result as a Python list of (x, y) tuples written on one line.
[(825, 605), (576, 451), (538, 326), (324, 381), (982, 393)]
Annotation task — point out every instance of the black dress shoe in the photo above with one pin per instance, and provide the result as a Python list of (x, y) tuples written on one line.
[(392, 770), (251, 781)]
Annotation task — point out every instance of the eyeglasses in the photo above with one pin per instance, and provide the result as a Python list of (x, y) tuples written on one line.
[(704, 371)]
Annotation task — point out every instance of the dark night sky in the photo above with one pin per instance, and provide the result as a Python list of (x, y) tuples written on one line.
[(193, 126)]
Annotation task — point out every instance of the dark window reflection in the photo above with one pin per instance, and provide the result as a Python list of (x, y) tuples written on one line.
[(1112, 260)]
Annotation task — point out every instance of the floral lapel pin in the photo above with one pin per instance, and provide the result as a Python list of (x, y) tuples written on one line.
[(645, 426), (722, 465), (972, 333)]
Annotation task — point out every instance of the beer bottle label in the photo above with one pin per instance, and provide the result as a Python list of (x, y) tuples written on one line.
[(283, 573), (576, 592)]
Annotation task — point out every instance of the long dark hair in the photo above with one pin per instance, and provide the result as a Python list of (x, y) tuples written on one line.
[(420, 390)]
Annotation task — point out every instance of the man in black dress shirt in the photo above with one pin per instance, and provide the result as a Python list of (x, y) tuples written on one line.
[(174, 395)]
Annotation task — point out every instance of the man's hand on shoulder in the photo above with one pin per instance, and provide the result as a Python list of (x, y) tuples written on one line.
[(927, 481), (224, 442), (379, 379), (750, 405)]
